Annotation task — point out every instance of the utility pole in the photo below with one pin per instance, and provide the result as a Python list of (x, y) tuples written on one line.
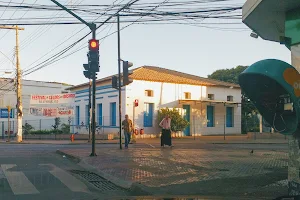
[(19, 83), (119, 78)]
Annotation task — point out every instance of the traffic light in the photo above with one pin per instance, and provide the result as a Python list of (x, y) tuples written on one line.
[(273, 86), (87, 73), (127, 73), (93, 55), (114, 82)]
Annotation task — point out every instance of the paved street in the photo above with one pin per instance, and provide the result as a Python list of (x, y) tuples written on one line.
[(37, 172)]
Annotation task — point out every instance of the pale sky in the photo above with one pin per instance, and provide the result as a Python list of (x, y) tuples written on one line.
[(194, 50)]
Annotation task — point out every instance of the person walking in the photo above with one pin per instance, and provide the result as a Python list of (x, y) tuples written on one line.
[(127, 126), (165, 124)]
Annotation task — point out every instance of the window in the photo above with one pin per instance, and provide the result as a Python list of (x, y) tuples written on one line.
[(229, 98), (211, 96), (149, 93), (113, 114), (229, 116), (148, 114), (210, 116), (99, 112), (187, 95), (87, 112), (77, 115)]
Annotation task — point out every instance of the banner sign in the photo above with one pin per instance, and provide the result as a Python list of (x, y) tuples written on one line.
[(52, 112), (67, 98), (4, 113)]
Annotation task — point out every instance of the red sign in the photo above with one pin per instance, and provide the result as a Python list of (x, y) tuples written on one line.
[(136, 103)]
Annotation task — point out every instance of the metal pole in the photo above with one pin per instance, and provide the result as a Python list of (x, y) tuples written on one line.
[(93, 106), (8, 123), (90, 111), (194, 127), (224, 125), (119, 88)]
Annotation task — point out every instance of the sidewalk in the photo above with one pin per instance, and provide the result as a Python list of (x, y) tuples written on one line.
[(187, 140), (58, 142), (174, 171)]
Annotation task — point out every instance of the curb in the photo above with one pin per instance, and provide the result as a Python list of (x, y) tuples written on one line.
[(73, 158), (246, 143), (136, 188), (12, 142)]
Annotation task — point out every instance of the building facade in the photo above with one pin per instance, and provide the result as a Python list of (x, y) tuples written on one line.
[(211, 107), (8, 97)]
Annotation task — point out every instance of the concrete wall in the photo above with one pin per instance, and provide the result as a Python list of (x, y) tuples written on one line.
[(105, 95), (164, 95), (8, 97), (168, 94)]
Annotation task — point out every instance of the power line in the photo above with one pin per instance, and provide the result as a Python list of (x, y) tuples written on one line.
[(38, 67)]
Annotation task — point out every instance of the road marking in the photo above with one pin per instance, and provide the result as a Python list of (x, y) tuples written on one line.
[(150, 145), (70, 181), (18, 182)]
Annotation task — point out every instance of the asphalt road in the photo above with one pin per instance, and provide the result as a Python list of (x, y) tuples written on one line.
[(30, 172)]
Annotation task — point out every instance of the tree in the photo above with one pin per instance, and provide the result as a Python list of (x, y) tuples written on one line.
[(27, 128), (228, 75), (65, 128), (178, 123), (56, 123), (248, 109)]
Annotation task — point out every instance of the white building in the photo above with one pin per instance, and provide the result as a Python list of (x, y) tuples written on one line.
[(8, 97), (210, 106)]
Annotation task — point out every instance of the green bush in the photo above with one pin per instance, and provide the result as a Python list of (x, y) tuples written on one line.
[(65, 129), (45, 132), (40, 132), (178, 123)]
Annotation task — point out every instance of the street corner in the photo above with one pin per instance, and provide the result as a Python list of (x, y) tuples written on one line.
[(68, 155)]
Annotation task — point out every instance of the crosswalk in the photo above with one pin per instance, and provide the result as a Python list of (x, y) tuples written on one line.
[(20, 184)]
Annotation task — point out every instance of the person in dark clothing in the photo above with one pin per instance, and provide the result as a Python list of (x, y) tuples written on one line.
[(127, 126), (165, 124)]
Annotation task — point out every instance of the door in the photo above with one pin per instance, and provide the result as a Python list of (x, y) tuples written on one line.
[(210, 116), (186, 116)]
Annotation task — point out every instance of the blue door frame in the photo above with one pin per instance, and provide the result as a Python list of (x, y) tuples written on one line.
[(186, 116)]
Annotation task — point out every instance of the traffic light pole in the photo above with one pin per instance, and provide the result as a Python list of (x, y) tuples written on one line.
[(119, 78), (90, 111), (93, 28)]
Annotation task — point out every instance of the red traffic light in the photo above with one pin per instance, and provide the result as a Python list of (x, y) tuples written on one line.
[(136, 103), (93, 44)]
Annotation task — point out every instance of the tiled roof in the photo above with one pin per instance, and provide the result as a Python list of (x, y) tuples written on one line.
[(158, 74)]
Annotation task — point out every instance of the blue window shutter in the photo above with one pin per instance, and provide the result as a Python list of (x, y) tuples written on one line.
[(229, 116), (77, 115), (87, 119), (113, 114), (100, 114), (148, 114), (210, 116)]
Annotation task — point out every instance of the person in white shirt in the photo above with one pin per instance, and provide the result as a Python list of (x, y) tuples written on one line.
[(165, 124)]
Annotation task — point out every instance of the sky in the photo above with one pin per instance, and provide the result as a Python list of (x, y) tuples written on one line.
[(194, 50)]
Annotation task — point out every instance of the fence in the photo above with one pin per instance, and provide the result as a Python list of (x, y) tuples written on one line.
[(198, 125)]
